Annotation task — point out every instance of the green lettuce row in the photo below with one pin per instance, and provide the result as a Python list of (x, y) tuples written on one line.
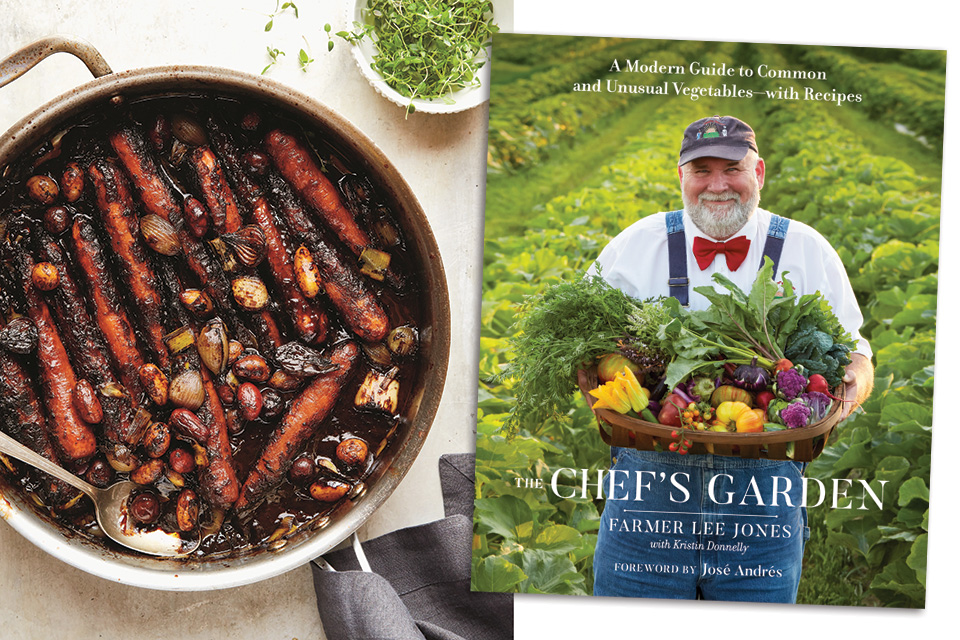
[(525, 123)]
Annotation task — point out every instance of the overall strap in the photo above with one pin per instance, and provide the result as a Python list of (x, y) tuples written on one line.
[(677, 281), (774, 244)]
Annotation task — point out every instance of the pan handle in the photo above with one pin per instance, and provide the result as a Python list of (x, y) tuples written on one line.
[(18, 63)]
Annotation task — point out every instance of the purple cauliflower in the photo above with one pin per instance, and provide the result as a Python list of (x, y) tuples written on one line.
[(795, 415), (819, 404), (790, 383)]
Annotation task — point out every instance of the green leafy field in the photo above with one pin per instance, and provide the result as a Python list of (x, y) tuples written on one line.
[(567, 171)]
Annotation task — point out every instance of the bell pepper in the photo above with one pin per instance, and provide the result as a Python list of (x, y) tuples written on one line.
[(750, 421)]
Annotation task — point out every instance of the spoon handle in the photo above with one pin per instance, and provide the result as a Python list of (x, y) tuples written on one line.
[(13, 448)]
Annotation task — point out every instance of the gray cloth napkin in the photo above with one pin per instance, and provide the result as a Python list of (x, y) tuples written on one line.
[(420, 585)]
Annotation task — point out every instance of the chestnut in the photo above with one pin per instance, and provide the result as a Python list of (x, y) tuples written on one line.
[(352, 451), (182, 461), (249, 400), (145, 508), (156, 440), (188, 510), (56, 219), (304, 470), (148, 472), (72, 182), (273, 404), (43, 189), (100, 474), (45, 276), (328, 490)]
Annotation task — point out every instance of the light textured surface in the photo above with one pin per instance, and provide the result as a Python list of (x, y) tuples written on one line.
[(443, 160)]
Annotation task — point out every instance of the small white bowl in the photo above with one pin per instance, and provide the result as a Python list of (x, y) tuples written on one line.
[(463, 99)]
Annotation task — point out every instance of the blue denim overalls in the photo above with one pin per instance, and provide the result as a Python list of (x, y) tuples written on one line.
[(701, 526)]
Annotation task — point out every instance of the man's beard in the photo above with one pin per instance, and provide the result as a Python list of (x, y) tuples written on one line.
[(721, 225)]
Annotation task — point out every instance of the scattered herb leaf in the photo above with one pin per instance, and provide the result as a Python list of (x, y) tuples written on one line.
[(274, 55), (327, 29), (304, 59), (277, 10)]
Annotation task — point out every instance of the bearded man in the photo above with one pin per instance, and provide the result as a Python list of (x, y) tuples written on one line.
[(731, 535)]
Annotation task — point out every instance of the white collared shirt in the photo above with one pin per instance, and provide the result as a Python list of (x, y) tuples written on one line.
[(636, 262)]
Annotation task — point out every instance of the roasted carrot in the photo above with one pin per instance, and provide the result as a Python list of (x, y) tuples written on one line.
[(131, 148), (345, 286), (218, 480), (158, 198), (302, 421), (110, 313), (217, 195), (73, 437), (120, 222), (307, 318), (295, 162), (86, 347), (21, 417)]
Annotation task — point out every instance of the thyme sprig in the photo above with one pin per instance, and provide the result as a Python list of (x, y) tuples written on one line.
[(427, 48)]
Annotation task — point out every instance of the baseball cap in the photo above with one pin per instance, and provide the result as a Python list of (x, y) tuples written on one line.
[(717, 137)]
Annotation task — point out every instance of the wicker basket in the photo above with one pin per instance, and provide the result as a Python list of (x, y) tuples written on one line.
[(625, 431)]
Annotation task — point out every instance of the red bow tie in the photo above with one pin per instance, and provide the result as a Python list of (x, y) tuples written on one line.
[(735, 250)]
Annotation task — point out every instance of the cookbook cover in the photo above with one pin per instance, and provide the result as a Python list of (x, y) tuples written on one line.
[(687, 391)]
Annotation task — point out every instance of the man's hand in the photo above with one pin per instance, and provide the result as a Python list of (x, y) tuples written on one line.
[(858, 377)]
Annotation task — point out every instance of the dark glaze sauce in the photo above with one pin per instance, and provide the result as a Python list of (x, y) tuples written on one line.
[(289, 507)]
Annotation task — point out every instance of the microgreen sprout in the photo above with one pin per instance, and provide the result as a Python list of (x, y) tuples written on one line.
[(427, 48), (304, 59), (274, 55), (278, 10)]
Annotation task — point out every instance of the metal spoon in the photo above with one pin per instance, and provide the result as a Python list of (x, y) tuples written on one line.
[(110, 504)]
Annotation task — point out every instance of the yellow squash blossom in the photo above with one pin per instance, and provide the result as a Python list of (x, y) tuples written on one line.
[(638, 396), (611, 396), (621, 394)]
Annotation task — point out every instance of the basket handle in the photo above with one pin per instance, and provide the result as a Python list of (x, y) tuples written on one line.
[(21, 61)]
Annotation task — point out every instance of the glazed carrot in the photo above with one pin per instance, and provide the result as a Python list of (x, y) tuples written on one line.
[(110, 314), (22, 419), (85, 345), (308, 319), (158, 198), (131, 149), (265, 325), (217, 195), (73, 437), (295, 162), (120, 222), (218, 480), (345, 286), (301, 422)]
